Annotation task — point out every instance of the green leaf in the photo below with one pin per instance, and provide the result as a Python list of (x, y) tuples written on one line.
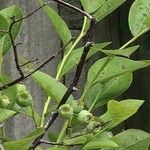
[(51, 86), (110, 90), (132, 139), (107, 8), (58, 23), (124, 52), (100, 143), (3, 23), (59, 148), (139, 16), (91, 6), (75, 55), (120, 111), (23, 144), (115, 68), (2, 43), (78, 140), (5, 114), (7, 13), (102, 78)]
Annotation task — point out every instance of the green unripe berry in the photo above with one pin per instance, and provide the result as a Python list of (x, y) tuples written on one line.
[(77, 106), (65, 111), (4, 101), (24, 99), (84, 116)]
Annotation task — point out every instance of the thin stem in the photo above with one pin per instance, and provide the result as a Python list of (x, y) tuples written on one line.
[(32, 13), (49, 98), (72, 48), (62, 132), (44, 111), (1, 61), (95, 101), (15, 49), (28, 62), (134, 39), (76, 9), (7, 85), (94, 78), (32, 109), (63, 62), (3, 130), (73, 84), (58, 144)]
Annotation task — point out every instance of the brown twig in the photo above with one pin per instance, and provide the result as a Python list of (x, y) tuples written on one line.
[(28, 62), (61, 2), (48, 60), (14, 46), (9, 32), (73, 84), (75, 8), (59, 144), (35, 70), (70, 90)]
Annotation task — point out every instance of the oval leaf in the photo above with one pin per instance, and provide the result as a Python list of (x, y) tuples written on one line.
[(91, 6), (107, 7), (116, 67), (3, 23), (7, 13), (139, 16), (120, 111), (124, 52), (100, 143), (23, 144), (51, 86), (132, 139), (110, 90), (58, 23)]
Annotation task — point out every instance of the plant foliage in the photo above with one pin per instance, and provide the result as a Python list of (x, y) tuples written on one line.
[(107, 79)]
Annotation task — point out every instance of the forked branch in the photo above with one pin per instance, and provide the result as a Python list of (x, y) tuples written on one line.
[(71, 88)]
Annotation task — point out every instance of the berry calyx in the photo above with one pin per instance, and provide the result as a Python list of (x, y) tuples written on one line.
[(84, 116), (24, 99), (65, 111)]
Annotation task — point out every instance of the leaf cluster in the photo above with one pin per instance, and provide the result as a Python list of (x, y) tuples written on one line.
[(107, 79)]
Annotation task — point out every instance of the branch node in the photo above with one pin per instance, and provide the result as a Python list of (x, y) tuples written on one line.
[(75, 89)]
